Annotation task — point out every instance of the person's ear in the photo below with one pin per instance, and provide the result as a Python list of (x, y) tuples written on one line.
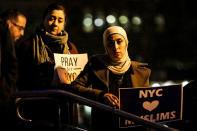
[(8, 22)]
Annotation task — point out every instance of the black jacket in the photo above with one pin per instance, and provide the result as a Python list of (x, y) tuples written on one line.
[(8, 77)]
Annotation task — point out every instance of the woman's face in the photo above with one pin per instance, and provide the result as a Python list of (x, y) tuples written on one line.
[(116, 46), (54, 21)]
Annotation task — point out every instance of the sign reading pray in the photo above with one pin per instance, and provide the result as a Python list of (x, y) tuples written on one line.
[(156, 104), (69, 66)]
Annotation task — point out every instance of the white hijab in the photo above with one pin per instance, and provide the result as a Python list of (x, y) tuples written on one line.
[(122, 65)]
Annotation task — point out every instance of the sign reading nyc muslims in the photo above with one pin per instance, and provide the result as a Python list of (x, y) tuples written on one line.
[(156, 104), (69, 66)]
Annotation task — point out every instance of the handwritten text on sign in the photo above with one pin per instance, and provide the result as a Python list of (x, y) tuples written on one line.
[(156, 104), (72, 64)]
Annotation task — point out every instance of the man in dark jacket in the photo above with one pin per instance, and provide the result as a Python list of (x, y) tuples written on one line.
[(12, 24)]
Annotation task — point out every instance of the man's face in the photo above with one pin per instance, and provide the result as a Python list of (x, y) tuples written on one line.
[(54, 22), (116, 46), (16, 28)]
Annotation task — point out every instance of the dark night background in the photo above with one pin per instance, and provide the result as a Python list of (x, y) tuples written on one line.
[(170, 48)]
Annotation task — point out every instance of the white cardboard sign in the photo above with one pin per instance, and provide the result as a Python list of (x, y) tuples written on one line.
[(69, 66)]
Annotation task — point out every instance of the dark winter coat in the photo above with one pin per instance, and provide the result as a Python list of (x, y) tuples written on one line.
[(96, 76), (34, 75)]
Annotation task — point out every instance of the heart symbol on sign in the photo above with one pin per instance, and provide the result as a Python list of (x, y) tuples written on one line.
[(150, 105)]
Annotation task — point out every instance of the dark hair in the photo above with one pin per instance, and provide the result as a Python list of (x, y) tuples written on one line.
[(11, 14), (55, 6)]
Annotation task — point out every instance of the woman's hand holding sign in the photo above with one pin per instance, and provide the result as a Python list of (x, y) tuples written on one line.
[(63, 75), (60, 76), (111, 100)]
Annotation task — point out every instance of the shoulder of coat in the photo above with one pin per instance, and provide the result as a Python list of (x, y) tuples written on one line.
[(95, 63), (72, 48), (139, 64)]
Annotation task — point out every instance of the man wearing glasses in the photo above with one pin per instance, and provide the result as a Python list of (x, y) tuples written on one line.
[(12, 25), (16, 22)]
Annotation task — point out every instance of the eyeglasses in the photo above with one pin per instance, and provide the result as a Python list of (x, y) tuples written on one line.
[(21, 28)]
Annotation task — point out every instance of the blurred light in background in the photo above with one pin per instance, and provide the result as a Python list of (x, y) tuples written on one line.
[(123, 19), (155, 85), (136, 20), (88, 23), (136, 23), (184, 83), (159, 20), (111, 19), (87, 109), (98, 22), (167, 83)]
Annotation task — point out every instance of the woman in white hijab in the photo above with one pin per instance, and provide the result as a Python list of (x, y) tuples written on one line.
[(108, 72)]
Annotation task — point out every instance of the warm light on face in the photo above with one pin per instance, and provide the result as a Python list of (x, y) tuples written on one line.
[(17, 27), (116, 46), (54, 22)]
